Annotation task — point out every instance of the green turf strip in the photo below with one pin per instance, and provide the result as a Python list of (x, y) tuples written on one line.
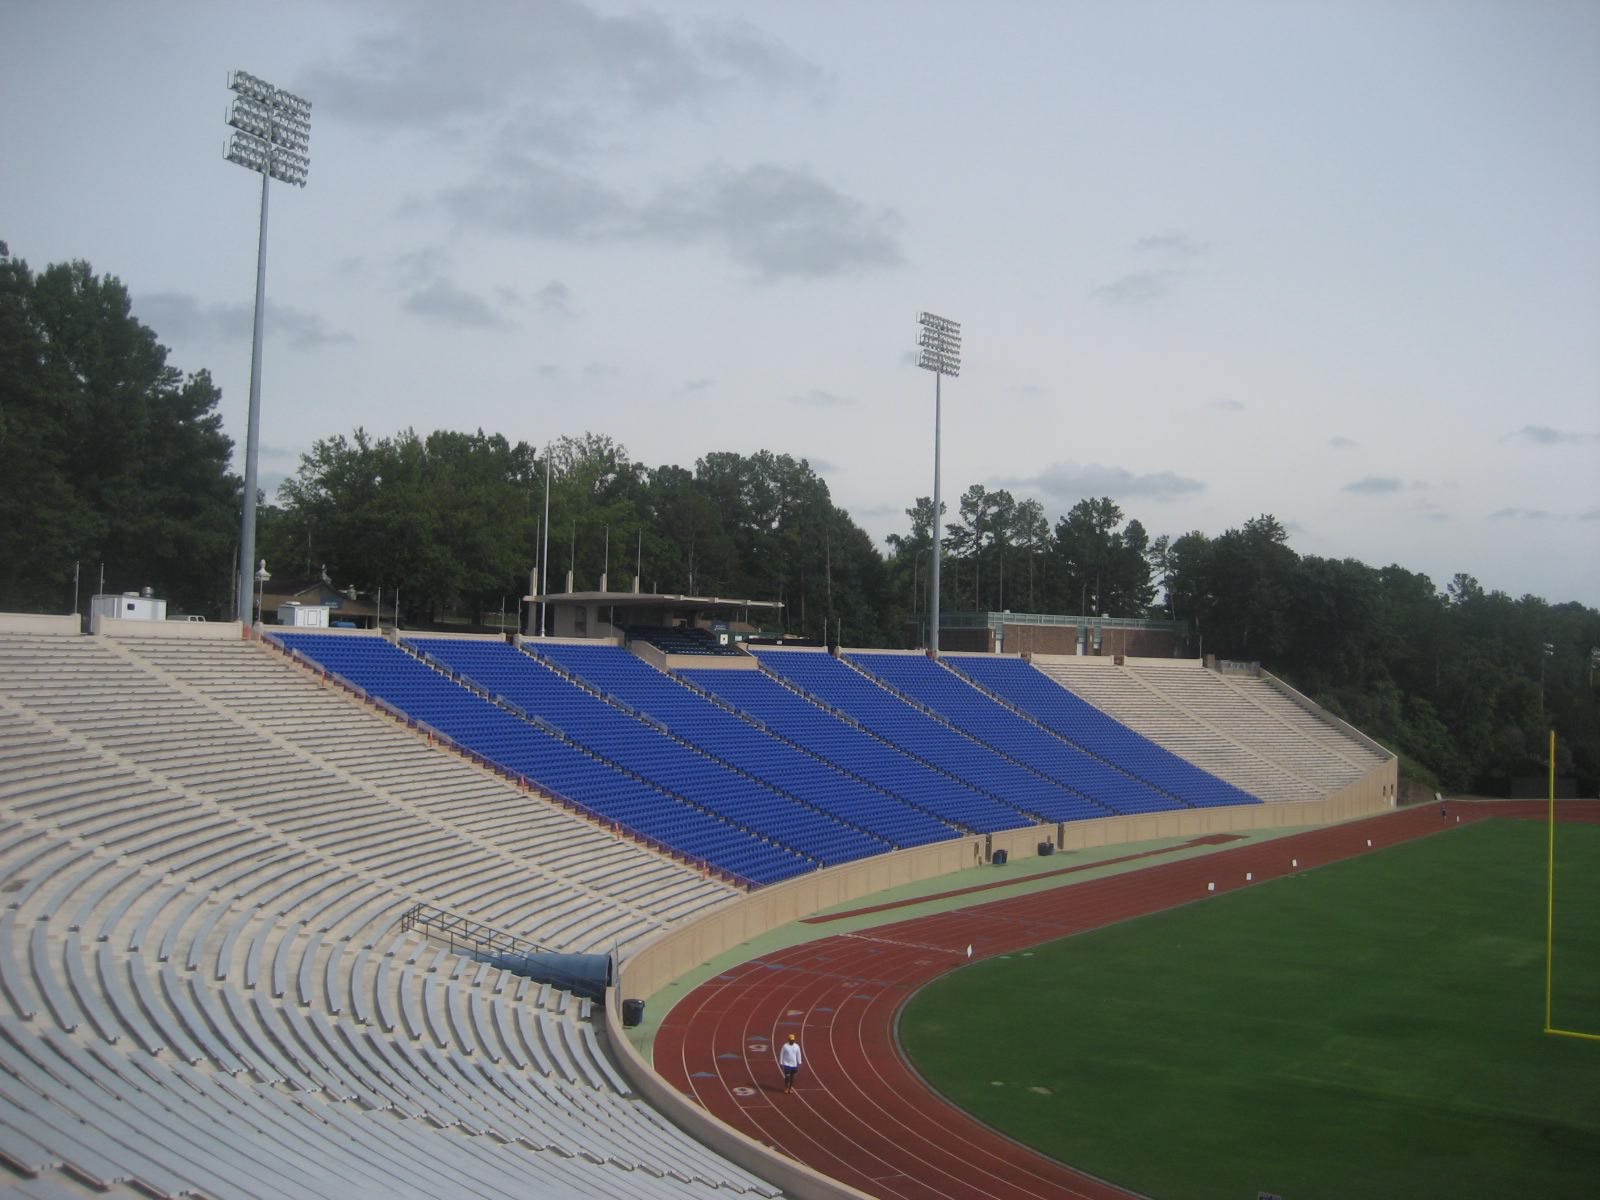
[(1373, 1028)]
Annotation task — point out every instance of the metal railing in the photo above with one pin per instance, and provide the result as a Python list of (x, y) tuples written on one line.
[(462, 932), (994, 620)]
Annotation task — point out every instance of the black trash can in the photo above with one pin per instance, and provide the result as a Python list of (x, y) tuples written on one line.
[(1000, 858), (632, 1012), (1046, 849)]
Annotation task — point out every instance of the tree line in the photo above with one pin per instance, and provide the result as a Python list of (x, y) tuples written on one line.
[(110, 455)]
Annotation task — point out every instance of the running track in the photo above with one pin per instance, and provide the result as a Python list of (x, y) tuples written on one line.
[(859, 1114)]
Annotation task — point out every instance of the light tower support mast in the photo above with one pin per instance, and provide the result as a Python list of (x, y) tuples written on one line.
[(940, 352), (272, 135)]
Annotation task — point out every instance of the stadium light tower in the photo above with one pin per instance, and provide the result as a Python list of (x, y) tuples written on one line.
[(272, 135), (940, 343)]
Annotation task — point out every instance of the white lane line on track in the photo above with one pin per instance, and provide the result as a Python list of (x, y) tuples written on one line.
[(958, 951)]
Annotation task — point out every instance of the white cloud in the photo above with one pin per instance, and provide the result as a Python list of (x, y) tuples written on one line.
[(1543, 435), (182, 318), (817, 398), (443, 301), (1063, 484), (555, 297), (1137, 287), (1176, 244), (1514, 512), (555, 76), (780, 222), (1374, 485)]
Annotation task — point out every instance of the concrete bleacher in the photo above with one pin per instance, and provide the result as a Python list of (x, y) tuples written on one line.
[(542, 841), (205, 989), (1238, 727), (1031, 697)]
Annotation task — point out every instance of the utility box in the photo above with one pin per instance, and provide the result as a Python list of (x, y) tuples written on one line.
[(303, 616), (129, 606)]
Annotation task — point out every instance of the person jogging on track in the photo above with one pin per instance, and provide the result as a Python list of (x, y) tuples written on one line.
[(790, 1058)]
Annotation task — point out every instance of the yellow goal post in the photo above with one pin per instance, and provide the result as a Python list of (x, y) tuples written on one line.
[(1550, 915)]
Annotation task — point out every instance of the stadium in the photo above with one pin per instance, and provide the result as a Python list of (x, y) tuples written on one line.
[(332, 912), (874, 843)]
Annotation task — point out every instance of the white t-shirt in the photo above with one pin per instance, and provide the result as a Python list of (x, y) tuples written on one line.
[(789, 1056)]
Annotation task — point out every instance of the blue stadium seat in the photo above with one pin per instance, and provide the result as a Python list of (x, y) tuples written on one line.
[(1029, 690), (953, 697), (618, 735), (747, 747), (388, 673), (800, 720)]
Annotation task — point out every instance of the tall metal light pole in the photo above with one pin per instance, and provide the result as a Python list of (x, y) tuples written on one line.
[(544, 567), (940, 343), (272, 135)]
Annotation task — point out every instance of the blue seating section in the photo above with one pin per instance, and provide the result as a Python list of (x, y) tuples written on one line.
[(805, 723), (935, 742), (621, 738), (927, 682), (734, 740), (388, 673), (852, 759), (1046, 701)]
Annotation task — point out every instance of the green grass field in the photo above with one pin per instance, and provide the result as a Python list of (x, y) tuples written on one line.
[(1373, 1028)]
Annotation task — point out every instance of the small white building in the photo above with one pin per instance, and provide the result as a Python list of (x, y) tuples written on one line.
[(129, 606), (303, 616)]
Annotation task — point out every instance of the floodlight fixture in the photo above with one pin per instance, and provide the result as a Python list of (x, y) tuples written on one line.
[(940, 345), (262, 575), (271, 136), (273, 129)]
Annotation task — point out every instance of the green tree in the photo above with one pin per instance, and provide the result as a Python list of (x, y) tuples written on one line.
[(110, 455), (445, 522), (1252, 573), (1105, 564), (1030, 535)]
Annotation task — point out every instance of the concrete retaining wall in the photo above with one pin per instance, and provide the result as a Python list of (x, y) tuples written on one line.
[(40, 623)]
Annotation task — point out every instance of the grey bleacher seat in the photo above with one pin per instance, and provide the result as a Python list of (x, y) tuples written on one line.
[(181, 859)]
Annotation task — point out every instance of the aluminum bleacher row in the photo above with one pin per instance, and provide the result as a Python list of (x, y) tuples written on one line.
[(204, 988)]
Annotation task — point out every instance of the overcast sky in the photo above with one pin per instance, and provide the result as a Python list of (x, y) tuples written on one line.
[(1334, 261)]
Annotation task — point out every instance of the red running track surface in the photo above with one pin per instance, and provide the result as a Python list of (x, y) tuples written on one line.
[(859, 1114)]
